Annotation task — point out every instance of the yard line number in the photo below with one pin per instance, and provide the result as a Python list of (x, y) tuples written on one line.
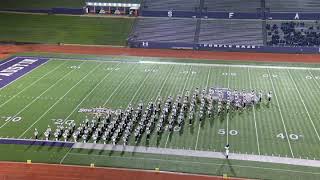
[(61, 121), (74, 67), (315, 77), (11, 118), (151, 70), (271, 75), (229, 74), (293, 137), (231, 132), (112, 69), (187, 72)]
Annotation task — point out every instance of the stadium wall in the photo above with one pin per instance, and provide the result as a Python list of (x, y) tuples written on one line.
[(74, 11), (293, 16), (185, 14), (160, 45), (234, 15), (225, 48)]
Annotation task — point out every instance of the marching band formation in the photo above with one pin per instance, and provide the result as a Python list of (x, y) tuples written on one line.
[(157, 116)]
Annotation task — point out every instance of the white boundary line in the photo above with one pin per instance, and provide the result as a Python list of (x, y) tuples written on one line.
[(184, 87), (281, 116), (231, 65), (305, 107), (25, 88), (59, 100), (38, 97), (275, 66), (199, 128), (254, 116)]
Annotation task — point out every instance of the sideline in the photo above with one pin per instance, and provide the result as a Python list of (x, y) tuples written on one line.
[(197, 153)]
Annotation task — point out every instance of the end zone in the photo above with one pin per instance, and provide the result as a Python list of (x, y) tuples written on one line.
[(14, 68)]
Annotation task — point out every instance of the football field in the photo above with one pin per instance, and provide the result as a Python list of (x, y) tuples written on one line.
[(53, 93)]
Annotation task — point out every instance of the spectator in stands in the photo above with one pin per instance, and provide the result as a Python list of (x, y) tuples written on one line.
[(293, 34)]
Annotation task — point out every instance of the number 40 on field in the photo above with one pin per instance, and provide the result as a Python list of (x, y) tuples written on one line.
[(291, 136)]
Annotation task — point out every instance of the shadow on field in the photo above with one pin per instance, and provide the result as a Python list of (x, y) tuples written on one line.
[(222, 117), (226, 168), (159, 139), (191, 128)]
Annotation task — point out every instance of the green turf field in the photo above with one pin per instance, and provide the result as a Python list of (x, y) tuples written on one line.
[(47, 4), (288, 127), (64, 29)]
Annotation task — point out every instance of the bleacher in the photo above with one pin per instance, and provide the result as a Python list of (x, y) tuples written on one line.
[(164, 30), (293, 33), (165, 5), (232, 5), (293, 5), (231, 32)]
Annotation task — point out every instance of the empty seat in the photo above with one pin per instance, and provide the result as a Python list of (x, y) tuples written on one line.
[(293, 5), (164, 30), (231, 32)]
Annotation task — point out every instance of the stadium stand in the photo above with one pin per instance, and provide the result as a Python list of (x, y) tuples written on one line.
[(165, 5), (293, 33), (293, 5), (164, 30), (231, 32), (232, 5)]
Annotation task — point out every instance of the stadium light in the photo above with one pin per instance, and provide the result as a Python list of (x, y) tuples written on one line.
[(112, 4)]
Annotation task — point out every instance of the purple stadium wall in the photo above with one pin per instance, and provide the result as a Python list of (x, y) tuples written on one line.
[(50, 11), (227, 48), (234, 15)]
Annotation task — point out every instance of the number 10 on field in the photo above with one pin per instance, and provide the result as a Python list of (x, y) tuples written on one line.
[(11, 118)]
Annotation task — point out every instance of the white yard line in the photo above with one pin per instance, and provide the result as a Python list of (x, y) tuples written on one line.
[(254, 116), (82, 102), (120, 84), (64, 157), (199, 128), (165, 81), (141, 85), (228, 113), (305, 107), (95, 87), (58, 101), (184, 87), (314, 79), (24, 75), (38, 97), (34, 82), (281, 116)]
